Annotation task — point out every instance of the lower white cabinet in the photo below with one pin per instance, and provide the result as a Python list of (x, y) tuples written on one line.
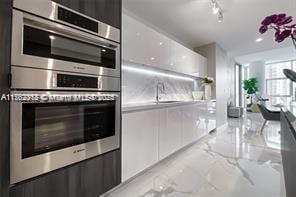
[(192, 124), (139, 142), (169, 131), (211, 116), (151, 135)]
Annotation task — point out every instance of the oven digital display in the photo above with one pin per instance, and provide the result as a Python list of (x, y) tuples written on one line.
[(77, 20), (74, 81)]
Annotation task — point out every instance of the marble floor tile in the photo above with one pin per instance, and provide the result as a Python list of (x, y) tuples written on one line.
[(235, 162)]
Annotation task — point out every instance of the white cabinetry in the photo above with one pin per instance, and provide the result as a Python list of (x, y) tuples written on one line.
[(187, 61), (211, 116), (151, 135), (169, 131), (143, 45), (139, 142), (193, 124)]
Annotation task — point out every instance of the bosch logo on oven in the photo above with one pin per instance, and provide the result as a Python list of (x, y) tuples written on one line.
[(78, 68), (77, 151)]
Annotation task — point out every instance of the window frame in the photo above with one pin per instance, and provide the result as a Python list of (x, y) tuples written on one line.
[(275, 79), (291, 95)]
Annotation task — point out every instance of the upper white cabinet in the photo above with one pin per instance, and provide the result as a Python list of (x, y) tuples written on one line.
[(143, 45)]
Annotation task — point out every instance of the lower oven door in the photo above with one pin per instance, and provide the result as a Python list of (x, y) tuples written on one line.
[(61, 129)]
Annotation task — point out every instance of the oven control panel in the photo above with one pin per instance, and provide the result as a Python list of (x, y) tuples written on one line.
[(77, 20), (76, 81)]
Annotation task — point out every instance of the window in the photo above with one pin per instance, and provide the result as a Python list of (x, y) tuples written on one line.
[(237, 85), (278, 88), (276, 70), (245, 75)]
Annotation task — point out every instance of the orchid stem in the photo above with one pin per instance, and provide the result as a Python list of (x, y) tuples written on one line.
[(294, 41)]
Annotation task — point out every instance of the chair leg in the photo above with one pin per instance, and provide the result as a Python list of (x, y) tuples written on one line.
[(262, 128)]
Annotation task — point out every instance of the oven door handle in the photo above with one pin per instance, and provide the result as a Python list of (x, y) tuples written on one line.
[(66, 31)]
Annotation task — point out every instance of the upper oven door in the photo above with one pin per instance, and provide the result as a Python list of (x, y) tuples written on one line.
[(56, 12), (44, 44)]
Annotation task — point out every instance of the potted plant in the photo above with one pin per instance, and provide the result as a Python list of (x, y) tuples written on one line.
[(251, 88), (208, 81), (281, 23)]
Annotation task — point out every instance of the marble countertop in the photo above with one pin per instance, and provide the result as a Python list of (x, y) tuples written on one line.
[(150, 105)]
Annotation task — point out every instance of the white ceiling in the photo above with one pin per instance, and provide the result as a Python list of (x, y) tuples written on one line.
[(275, 55), (192, 21)]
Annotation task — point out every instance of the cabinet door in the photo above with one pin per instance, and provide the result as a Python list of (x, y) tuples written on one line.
[(170, 131), (143, 45), (89, 178), (133, 41), (211, 116), (62, 183), (106, 11), (193, 124), (99, 181), (139, 142)]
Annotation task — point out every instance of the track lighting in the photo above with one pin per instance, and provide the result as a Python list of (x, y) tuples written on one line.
[(217, 10), (220, 16)]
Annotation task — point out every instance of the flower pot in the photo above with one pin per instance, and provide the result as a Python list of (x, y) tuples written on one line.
[(208, 92), (197, 95)]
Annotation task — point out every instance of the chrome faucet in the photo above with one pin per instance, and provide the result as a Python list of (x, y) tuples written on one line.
[(158, 86)]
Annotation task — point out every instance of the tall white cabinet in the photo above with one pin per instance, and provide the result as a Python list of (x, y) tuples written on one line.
[(143, 45)]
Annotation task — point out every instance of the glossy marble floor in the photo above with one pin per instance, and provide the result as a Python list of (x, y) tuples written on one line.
[(235, 162)]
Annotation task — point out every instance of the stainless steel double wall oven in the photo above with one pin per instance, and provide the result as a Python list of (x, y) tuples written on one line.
[(66, 74)]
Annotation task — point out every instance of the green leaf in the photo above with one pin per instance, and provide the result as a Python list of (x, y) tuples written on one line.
[(250, 86)]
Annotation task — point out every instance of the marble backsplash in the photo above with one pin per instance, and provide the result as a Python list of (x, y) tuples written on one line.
[(139, 84)]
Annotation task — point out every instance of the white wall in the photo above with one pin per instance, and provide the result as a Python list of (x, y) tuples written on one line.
[(222, 84), (221, 67), (257, 69), (209, 51)]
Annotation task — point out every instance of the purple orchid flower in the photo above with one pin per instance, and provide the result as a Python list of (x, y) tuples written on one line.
[(281, 24)]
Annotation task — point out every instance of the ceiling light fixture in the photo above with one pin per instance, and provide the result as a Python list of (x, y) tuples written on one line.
[(217, 10), (51, 37), (259, 40)]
